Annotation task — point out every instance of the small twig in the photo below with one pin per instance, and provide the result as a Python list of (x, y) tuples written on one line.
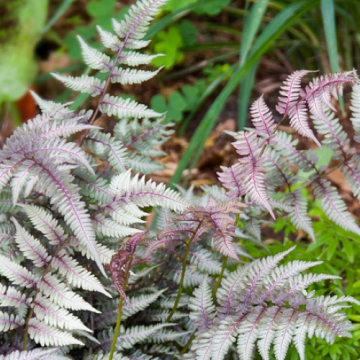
[(118, 321), (187, 249), (220, 277), (187, 345)]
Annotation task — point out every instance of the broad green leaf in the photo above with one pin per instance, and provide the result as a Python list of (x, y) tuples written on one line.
[(173, 5), (168, 43), (21, 22), (333, 244), (188, 32), (174, 107), (348, 248), (211, 9)]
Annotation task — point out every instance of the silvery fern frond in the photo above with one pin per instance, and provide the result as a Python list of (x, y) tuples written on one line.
[(298, 213), (85, 84), (334, 207), (355, 108), (130, 336), (108, 148), (131, 76), (290, 91), (47, 335), (298, 120), (136, 23), (35, 354), (250, 171), (94, 58), (112, 105), (275, 315), (262, 118), (144, 193)]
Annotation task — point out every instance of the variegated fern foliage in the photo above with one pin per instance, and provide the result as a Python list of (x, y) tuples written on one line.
[(81, 275)]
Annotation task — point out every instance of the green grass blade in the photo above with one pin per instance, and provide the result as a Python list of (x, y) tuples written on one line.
[(59, 12), (328, 15), (271, 32), (246, 86), (251, 27)]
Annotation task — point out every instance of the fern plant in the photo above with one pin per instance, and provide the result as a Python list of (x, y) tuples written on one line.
[(82, 276)]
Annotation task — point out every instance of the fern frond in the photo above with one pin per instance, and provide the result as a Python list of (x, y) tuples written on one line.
[(290, 91), (143, 193), (75, 274), (47, 106), (202, 307), (9, 322), (352, 173), (92, 187), (137, 21), (53, 315), (63, 193), (355, 108), (133, 58), (321, 87), (333, 206), (59, 293), (94, 58), (16, 273), (85, 84), (133, 306), (204, 260), (31, 247), (9, 296), (298, 214), (103, 251), (143, 165), (46, 335), (192, 277), (305, 160), (124, 214), (267, 304), (105, 356), (262, 118), (44, 222), (112, 228), (131, 336), (231, 179), (251, 171), (131, 76), (35, 354), (104, 145), (113, 105), (298, 120)]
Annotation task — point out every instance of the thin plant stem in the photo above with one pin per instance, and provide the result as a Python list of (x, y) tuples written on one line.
[(187, 345), (187, 249), (118, 321), (220, 277)]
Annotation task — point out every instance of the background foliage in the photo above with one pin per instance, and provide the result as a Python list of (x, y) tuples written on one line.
[(209, 64)]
